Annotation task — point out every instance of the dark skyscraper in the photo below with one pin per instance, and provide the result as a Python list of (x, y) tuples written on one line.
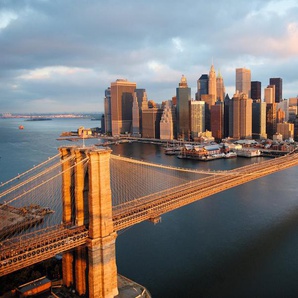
[(107, 111), (277, 82), (227, 120), (256, 88), (202, 86), (183, 94)]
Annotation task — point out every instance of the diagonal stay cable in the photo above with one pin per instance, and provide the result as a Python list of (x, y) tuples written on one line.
[(28, 171), (47, 170), (44, 182)]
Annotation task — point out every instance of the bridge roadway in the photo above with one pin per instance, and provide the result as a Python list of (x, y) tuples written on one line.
[(23, 251), (20, 252), (151, 207)]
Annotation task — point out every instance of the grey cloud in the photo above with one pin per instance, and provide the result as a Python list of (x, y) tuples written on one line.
[(122, 39)]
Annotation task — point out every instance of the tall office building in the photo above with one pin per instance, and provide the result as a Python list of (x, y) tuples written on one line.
[(151, 122), (220, 88), (271, 119), (122, 92), (277, 82), (168, 122), (243, 81), (107, 112), (227, 120), (286, 130), (280, 116), (135, 117), (142, 100), (197, 118), (242, 116), (259, 119), (284, 105), (212, 83), (202, 86), (269, 94), (183, 94), (217, 120), (256, 91)]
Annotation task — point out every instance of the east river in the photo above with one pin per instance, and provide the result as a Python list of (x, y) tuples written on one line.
[(239, 243)]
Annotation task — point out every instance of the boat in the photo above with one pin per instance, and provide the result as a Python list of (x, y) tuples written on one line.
[(230, 154)]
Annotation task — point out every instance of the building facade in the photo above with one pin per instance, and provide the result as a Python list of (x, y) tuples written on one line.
[(243, 81), (242, 116), (217, 120), (183, 95), (212, 83), (151, 122), (202, 86), (271, 119), (286, 130), (277, 82), (259, 119), (168, 122), (256, 90), (122, 93), (220, 88), (197, 118), (107, 112)]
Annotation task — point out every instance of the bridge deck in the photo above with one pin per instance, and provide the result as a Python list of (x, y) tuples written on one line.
[(20, 252)]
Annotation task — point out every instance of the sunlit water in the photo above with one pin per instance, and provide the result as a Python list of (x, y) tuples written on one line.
[(240, 243)]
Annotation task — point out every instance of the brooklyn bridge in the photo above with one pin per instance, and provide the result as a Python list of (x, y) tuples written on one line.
[(94, 194)]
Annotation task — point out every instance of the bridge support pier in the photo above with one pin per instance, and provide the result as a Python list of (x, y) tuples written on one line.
[(87, 200)]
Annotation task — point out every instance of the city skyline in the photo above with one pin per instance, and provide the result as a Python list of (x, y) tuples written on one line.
[(61, 58)]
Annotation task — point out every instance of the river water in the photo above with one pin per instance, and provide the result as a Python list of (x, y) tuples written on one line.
[(240, 243)]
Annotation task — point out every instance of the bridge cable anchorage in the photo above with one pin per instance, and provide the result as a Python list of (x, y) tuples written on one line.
[(28, 171)]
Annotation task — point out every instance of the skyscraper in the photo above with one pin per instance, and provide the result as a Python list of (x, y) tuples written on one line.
[(259, 119), (256, 90), (151, 122), (269, 94), (183, 94), (142, 100), (197, 118), (227, 118), (242, 116), (107, 111), (202, 86), (217, 120), (122, 93), (277, 82), (135, 116), (167, 122), (243, 81), (212, 83), (271, 119), (220, 88)]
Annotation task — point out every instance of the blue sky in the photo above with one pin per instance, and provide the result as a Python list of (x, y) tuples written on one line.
[(60, 56)]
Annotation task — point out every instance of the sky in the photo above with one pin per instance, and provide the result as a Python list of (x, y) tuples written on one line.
[(60, 56)]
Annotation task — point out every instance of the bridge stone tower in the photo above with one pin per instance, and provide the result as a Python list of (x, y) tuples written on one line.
[(87, 200)]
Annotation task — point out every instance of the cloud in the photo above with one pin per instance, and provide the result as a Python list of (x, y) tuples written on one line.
[(69, 52), (52, 72)]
